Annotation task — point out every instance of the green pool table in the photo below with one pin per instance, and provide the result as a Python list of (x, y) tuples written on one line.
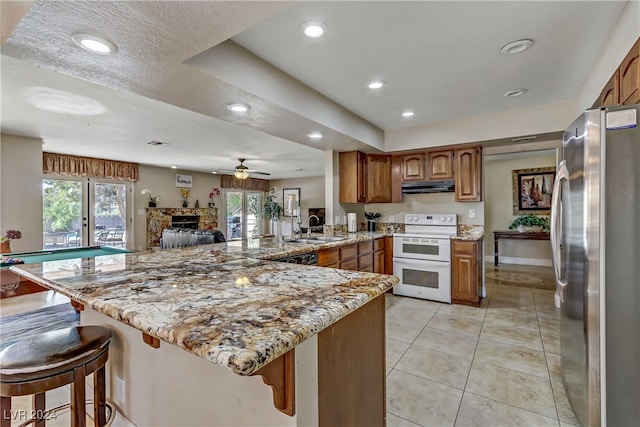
[(8, 279)]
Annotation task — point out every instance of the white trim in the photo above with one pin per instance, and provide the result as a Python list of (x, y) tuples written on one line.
[(521, 261)]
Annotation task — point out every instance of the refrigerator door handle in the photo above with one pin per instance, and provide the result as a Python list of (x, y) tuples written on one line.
[(562, 175)]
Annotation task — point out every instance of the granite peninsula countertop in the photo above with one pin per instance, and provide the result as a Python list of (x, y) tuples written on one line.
[(225, 302)]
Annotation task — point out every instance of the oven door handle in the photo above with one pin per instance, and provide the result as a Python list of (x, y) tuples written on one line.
[(421, 262)]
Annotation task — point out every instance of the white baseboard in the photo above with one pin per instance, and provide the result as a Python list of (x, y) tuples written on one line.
[(519, 261)]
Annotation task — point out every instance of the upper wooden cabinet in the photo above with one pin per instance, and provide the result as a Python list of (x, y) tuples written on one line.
[(440, 165), (468, 174), (378, 178), (413, 167), (611, 93), (366, 178), (353, 184), (630, 76), (624, 86)]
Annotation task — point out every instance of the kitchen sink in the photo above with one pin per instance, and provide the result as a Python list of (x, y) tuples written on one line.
[(327, 238), (316, 239)]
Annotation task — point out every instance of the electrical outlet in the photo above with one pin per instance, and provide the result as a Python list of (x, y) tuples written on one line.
[(392, 218), (141, 212), (119, 389), (472, 213)]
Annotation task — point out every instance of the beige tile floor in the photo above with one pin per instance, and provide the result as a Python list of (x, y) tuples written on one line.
[(496, 365)]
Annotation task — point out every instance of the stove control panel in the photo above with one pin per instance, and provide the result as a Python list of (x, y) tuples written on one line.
[(431, 219)]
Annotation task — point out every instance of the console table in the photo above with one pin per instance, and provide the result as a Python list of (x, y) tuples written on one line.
[(515, 234)]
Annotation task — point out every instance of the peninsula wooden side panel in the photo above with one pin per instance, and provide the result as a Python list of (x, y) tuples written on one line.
[(351, 358)]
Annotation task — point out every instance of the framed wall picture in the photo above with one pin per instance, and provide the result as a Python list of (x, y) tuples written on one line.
[(532, 190), (291, 201)]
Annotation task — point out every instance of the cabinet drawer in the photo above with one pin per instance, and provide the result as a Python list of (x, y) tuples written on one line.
[(347, 252), (328, 257), (378, 244), (350, 264), (365, 248), (365, 261), (464, 247)]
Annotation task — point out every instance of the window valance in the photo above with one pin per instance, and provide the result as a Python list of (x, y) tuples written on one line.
[(230, 181), (63, 164)]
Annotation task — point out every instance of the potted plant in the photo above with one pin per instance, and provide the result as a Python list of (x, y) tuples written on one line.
[(152, 199), (530, 222), (185, 193), (271, 209), (5, 241)]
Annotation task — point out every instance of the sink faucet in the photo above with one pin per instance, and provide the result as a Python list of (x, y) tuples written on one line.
[(309, 228)]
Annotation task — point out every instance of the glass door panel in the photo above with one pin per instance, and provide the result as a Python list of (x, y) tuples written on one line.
[(109, 219), (64, 216), (235, 213), (254, 220)]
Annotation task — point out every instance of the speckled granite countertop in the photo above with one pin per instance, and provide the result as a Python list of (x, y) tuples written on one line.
[(220, 302), (469, 232)]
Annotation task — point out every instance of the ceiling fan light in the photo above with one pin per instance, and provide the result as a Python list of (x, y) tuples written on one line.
[(240, 174)]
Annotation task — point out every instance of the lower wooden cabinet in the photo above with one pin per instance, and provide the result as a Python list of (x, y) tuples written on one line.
[(466, 272), (368, 256)]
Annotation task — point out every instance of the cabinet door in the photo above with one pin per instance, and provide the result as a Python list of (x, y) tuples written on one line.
[(413, 167), (388, 255), (610, 93), (630, 76), (350, 264), (352, 166), (440, 165), (378, 174), (468, 175), (329, 257), (378, 262), (463, 278)]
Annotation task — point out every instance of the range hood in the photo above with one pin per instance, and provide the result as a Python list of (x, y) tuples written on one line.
[(419, 187)]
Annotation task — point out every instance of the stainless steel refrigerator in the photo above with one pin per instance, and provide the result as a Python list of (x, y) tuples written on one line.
[(595, 237)]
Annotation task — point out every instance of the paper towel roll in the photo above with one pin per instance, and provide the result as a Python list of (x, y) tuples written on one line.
[(352, 225)]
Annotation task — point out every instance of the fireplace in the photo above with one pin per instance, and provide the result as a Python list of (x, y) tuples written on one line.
[(185, 221)]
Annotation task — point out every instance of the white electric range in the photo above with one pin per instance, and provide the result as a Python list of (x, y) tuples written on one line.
[(422, 256)]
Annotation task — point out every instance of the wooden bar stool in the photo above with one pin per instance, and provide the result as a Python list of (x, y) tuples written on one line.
[(49, 360)]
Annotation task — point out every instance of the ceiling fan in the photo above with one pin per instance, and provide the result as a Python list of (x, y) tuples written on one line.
[(243, 172)]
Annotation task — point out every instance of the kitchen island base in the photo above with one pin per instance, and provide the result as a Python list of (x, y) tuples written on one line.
[(339, 376)]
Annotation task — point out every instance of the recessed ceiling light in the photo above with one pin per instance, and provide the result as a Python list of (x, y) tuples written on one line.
[(174, 167), (315, 135), (407, 114), (62, 102), (516, 46), (238, 108), (515, 92), (314, 29), (94, 44), (376, 84)]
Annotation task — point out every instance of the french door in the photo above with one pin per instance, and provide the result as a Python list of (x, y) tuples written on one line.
[(86, 211), (243, 210)]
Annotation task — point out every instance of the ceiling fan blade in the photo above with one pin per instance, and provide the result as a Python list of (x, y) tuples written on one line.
[(259, 173)]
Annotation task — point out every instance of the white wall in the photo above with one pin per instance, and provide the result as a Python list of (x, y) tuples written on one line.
[(21, 190), (312, 195), (162, 182), (499, 206)]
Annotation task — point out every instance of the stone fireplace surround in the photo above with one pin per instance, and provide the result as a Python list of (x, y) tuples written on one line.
[(160, 218)]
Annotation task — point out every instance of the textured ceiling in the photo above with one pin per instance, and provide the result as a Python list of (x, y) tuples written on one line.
[(168, 81)]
